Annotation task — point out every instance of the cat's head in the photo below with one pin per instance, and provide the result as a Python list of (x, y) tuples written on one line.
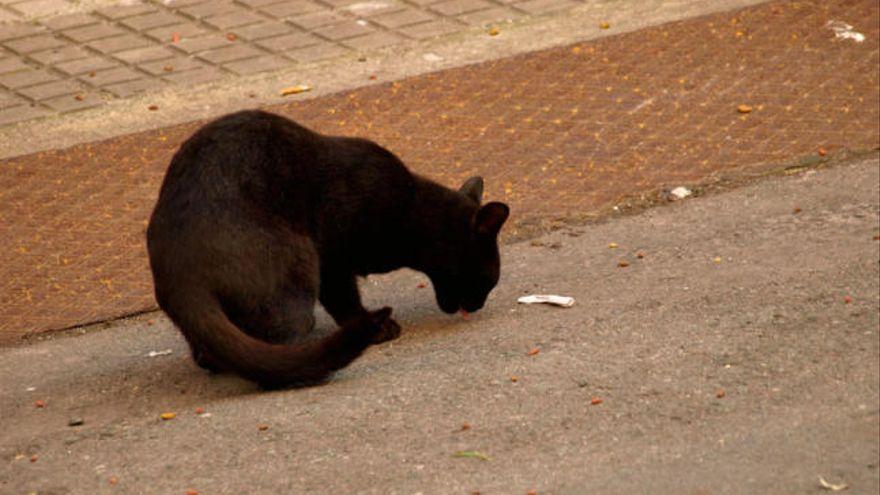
[(467, 266)]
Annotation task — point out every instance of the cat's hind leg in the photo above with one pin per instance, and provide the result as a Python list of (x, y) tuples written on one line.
[(342, 300)]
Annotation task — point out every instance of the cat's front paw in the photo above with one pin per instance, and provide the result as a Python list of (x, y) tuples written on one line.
[(389, 330)]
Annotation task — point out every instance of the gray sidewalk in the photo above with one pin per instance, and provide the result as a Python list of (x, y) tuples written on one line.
[(737, 355)]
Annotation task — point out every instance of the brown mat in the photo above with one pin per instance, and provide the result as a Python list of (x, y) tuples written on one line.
[(557, 132)]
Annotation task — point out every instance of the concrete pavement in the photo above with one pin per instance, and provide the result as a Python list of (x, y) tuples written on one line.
[(738, 354)]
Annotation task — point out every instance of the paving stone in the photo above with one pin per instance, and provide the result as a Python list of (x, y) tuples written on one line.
[(119, 43), (257, 65), (34, 43), (177, 64), (489, 16), (537, 7), (117, 12), (318, 52), (423, 3), (10, 100), (62, 22), (152, 20), (84, 65), (89, 33), (456, 7), (258, 3), (289, 42), (262, 30), (52, 89), (230, 53), (12, 64), (430, 29), (131, 88), (39, 8), (209, 9), (345, 29), (111, 76), (317, 19), (71, 103), (24, 78), (193, 77), (147, 54), (373, 41), (184, 31), (403, 18), (233, 19), (57, 55), (177, 4), (13, 115), (291, 8), (7, 16), (19, 30), (359, 8), (202, 43)]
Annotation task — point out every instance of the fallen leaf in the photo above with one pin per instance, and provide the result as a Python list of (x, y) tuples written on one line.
[(153, 108), (720, 393), (92, 74), (421, 285), (532, 492), (292, 90), (604, 25), (200, 410), (847, 299), (372, 77), (744, 109), (79, 97), (595, 401), (514, 379), (34, 458), (623, 264), (40, 403), (113, 480), (231, 36), (717, 259), (175, 37), (192, 492), (831, 486), (640, 255), (465, 427), (612, 245), (472, 454), (533, 352), (796, 211), (168, 415), (494, 31), (263, 427), (822, 151), (168, 68)]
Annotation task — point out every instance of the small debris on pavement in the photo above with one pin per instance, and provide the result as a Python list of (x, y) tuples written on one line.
[(494, 31), (720, 393), (151, 323), (595, 401), (532, 492), (563, 301), (159, 353), (514, 378), (92, 74), (175, 37), (372, 77), (30, 389), (472, 454), (640, 255), (744, 109), (465, 315), (421, 285), (533, 352), (847, 299), (113, 480), (822, 151), (604, 25), (465, 427), (839, 487), (75, 422), (168, 68), (796, 211), (717, 259), (200, 410), (432, 57), (168, 416), (263, 427), (612, 245), (34, 458), (292, 90), (680, 192), (39, 403), (623, 263), (153, 108), (192, 492), (231, 36), (845, 31), (79, 97), (877, 237)]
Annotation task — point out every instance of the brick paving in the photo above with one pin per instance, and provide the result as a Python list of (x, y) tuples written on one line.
[(206, 40), (556, 133)]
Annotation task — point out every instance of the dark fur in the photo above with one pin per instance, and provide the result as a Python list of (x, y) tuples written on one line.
[(259, 217)]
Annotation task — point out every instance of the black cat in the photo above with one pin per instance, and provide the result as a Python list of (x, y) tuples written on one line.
[(259, 217)]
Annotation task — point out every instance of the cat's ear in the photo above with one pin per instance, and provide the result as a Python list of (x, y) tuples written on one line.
[(473, 188), (490, 217)]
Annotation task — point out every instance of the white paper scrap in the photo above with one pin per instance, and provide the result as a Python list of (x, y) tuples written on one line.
[(564, 301)]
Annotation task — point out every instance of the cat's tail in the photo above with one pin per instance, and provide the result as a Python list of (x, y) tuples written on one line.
[(277, 365)]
